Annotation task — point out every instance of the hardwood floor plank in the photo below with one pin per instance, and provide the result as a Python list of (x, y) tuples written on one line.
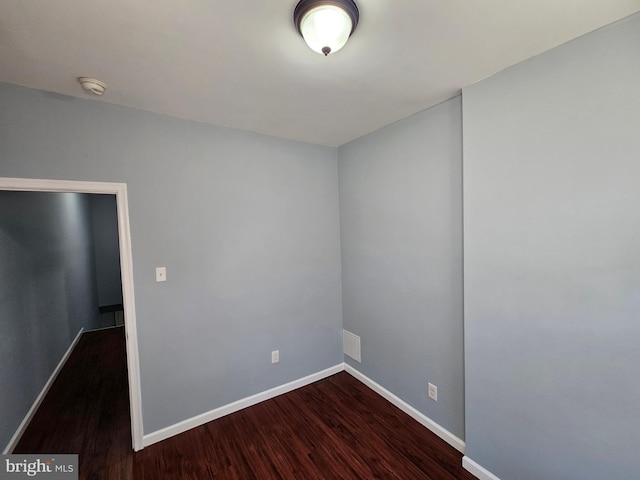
[(86, 410), (336, 428)]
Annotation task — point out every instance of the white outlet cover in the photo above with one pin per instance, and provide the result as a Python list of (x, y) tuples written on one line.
[(161, 274), (275, 356), (432, 391)]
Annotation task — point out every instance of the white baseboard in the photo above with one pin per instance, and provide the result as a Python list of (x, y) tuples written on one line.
[(188, 424), (219, 412), (441, 432), (25, 421), (479, 471)]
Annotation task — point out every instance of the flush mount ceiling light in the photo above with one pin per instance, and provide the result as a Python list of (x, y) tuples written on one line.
[(326, 25), (92, 85)]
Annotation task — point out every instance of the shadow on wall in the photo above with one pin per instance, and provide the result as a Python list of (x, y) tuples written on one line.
[(104, 224)]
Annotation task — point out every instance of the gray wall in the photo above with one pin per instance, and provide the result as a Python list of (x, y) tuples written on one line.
[(104, 222), (47, 292), (246, 225), (401, 228), (552, 262)]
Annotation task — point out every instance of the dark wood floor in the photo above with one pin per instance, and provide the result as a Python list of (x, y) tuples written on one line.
[(333, 429), (87, 409)]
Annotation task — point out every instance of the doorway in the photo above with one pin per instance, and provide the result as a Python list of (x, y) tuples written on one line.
[(126, 268)]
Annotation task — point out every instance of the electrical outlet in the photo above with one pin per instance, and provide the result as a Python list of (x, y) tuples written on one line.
[(161, 274), (432, 391), (275, 356)]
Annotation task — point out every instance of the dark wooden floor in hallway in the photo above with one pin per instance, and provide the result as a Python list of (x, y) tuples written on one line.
[(86, 410), (333, 429)]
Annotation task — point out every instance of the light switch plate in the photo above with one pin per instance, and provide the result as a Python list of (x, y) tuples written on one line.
[(161, 274)]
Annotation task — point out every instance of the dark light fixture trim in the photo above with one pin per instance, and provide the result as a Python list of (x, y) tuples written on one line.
[(305, 6)]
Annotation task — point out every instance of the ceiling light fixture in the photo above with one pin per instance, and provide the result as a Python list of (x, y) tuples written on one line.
[(92, 85), (326, 25)]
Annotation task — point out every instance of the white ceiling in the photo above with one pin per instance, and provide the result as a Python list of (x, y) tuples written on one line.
[(241, 63)]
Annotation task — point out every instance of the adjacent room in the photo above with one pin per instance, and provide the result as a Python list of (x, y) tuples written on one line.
[(421, 243)]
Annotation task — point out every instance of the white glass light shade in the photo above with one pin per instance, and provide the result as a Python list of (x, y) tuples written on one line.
[(326, 28)]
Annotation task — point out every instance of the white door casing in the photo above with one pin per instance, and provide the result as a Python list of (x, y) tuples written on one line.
[(126, 267)]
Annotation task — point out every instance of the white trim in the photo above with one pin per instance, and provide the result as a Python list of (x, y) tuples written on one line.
[(441, 432), (131, 332), (219, 412), (126, 268), (27, 418), (478, 470), (193, 422)]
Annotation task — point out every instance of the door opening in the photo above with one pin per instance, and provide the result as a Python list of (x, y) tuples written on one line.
[(126, 272)]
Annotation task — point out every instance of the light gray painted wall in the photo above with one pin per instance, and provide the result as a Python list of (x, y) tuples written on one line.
[(104, 222), (552, 262), (247, 226), (47, 292), (401, 227)]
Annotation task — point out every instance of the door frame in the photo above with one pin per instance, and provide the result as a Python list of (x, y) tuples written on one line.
[(126, 272)]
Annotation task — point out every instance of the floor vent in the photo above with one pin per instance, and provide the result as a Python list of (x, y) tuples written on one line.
[(351, 345)]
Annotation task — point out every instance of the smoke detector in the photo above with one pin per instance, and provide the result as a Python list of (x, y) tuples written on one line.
[(92, 85)]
